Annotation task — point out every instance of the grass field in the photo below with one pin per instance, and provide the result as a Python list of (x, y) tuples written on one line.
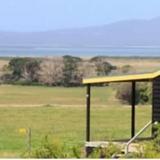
[(38, 96), (60, 113)]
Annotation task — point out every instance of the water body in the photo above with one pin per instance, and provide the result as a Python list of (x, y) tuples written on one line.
[(82, 52)]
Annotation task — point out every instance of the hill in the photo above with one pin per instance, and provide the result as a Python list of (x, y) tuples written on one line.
[(123, 33)]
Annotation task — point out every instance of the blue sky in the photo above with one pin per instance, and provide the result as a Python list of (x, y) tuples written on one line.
[(41, 15)]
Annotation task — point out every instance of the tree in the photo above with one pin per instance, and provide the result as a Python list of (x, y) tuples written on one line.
[(51, 71), (16, 65), (70, 70), (102, 66), (86, 70), (30, 72), (24, 68)]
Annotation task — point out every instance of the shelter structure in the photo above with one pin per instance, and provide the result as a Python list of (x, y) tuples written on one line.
[(154, 78)]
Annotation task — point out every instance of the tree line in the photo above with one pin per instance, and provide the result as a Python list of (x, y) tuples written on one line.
[(57, 71)]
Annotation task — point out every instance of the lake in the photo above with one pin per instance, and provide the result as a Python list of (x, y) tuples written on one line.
[(83, 52)]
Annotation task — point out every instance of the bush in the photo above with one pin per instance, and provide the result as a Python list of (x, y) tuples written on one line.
[(126, 69), (49, 150), (124, 93), (143, 93), (55, 149)]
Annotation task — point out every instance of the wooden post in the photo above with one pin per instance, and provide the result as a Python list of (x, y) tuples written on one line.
[(88, 95), (133, 101)]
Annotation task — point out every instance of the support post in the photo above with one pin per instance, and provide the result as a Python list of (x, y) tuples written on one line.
[(155, 105), (88, 95), (153, 129), (88, 103), (29, 141), (133, 101)]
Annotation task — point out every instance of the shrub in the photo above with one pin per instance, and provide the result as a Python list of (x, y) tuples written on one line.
[(55, 149), (126, 69), (143, 93), (124, 93), (49, 150)]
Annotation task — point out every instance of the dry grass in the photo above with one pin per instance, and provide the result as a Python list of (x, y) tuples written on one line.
[(3, 63), (139, 64)]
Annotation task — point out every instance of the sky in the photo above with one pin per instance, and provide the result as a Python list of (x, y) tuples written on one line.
[(44, 15)]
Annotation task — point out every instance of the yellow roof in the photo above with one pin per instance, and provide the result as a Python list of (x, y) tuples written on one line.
[(124, 78)]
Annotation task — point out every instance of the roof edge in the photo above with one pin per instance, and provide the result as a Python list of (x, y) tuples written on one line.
[(122, 78)]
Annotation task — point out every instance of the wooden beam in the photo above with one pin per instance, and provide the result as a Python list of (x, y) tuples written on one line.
[(133, 101), (88, 99)]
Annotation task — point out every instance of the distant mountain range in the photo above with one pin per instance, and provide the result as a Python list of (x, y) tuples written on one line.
[(122, 33)]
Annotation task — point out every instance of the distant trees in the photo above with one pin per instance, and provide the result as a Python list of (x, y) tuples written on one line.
[(24, 68), (86, 70), (51, 71), (70, 70), (102, 66), (57, 71)]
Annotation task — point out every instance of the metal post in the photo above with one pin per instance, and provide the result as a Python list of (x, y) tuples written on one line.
[(88, 113), (29, 141), (153, 129), (133, 100), (154, 107)]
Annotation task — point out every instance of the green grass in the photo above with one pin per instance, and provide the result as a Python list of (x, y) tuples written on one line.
[(64, 122), (33, 95)]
